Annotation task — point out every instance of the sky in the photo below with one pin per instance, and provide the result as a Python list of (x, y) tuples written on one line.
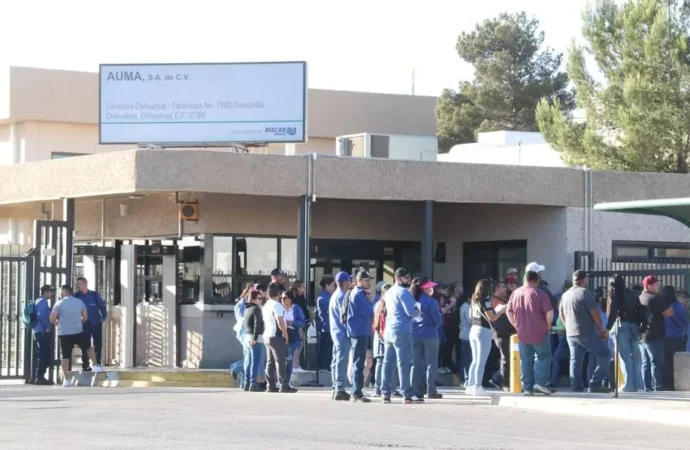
[(355, 45)]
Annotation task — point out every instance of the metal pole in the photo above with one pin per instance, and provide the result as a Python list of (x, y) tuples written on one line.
[(616, 357)]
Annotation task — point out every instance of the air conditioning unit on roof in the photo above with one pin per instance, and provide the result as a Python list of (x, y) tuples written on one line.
[(388, 146)]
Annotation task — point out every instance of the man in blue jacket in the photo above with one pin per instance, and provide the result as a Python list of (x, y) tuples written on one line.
[(360, 315), (341, 343), (400, 311), (95, 307), (43, 334), (426, 341), (323, 325)]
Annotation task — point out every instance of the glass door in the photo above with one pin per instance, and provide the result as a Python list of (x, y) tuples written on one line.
[(491, 260)]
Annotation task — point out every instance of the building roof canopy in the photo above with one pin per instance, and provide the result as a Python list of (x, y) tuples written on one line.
[(674, 208)]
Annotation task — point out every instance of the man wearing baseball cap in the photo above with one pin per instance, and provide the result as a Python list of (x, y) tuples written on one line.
[(543, 285), (400, 312), (278, 278), (585, 332), (653, 333), (43, 335), (341, 343), (359, 315)]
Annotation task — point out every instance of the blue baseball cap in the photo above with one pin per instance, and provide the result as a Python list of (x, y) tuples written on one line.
[(342, 277)]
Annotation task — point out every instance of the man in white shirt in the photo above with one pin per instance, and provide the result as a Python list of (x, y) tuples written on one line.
[(276, 341)]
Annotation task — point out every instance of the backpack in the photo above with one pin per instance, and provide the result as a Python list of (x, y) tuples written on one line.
[(345, 307), (29, 316)]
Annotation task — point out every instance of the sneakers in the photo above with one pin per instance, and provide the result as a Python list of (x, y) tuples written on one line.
[(470, 390), (417, 399), (272, 390), (397, 394), (359, 399), (97, 368), (341, 396), (287, 390), (298, 370), (386, 398), (443, 370), (43, 382), (66, 383), (542, 389), (377, 393), (600, 390), (480, 392), (86, 369), (255, 388), (435, 395), (528, 393), (495, 384)]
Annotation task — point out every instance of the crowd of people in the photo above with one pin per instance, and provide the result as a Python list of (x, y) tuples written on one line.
[(397, 338)]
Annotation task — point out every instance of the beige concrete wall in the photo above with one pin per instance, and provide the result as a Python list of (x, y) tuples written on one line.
[(6, 149), (4, 93), (43, 95)]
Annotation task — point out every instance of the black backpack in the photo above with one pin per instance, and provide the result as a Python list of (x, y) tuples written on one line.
[(345, 307)]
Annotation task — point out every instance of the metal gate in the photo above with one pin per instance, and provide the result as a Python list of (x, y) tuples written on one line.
[(16, 288), (601, 270)]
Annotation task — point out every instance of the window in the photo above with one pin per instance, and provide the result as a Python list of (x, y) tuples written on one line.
[(672, 252), (222, 255), (61, 155), (288, 257), (256, 256)]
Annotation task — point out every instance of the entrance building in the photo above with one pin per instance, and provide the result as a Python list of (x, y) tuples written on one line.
[(170, 238)]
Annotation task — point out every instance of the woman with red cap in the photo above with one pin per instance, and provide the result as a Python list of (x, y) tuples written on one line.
[(425, 340)]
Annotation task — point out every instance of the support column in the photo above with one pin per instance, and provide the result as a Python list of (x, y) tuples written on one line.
[(303, 241), (90, 264), (170, 305), (128, 267), (428, 240), (68, 216)]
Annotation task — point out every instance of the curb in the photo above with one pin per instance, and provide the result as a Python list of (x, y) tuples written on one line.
[(662, 412)]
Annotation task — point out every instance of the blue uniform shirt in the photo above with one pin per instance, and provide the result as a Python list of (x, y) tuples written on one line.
[(95, 306), (360, 314), (338, 331), (42, 311)]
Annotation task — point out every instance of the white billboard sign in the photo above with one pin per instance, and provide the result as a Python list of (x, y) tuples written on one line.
[(203, 104)]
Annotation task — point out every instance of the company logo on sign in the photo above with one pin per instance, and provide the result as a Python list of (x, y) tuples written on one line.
[(281, 131), (124, 76)]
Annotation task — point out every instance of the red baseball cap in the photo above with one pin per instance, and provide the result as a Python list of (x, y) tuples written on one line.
[(428, 285), (649, 280)]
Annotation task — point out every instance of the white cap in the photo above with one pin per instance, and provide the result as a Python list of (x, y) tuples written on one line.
[(512, 270), (380, 285), (534, 267)]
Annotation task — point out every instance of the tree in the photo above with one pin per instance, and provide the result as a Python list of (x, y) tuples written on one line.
[(512, 73), (638, 117)]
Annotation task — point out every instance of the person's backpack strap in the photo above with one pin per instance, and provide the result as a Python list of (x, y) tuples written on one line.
[(345, 306)]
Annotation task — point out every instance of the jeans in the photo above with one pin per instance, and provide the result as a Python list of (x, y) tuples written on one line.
[(535, 363), (628, 339), (95, 333), (652, 364), (400, 348), (359, 356), (599, 354), (503, 345), (425, 365), (341, 355), (276, 370), (561, 354), (253, 358), (44, 342), (451, 340), (466, 359), (480, 343), (325, 350), (289, 358)]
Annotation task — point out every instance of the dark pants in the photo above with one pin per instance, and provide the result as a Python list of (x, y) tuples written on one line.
[(359, 356), (561, 354), (671, 347), (276, 369), (325, 350), (44, 353), (451, 340), (95, 336), (503, 344)]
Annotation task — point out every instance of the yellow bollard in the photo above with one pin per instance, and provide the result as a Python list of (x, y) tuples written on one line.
[(620, 374), (515, 385)]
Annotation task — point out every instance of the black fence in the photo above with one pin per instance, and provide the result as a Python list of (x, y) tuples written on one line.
[(670, 273), (16, 274)]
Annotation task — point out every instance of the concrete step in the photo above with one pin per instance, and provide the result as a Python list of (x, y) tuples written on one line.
[(154, 378), (154, 384)]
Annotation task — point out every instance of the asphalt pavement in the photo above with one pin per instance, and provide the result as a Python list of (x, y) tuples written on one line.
[(34, 417)]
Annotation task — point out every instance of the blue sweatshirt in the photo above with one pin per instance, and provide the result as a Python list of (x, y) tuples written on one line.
[(677, 324), (95, 306), (360, 314), (338, 331), (42, 311), (431, 319), (400, 311), (298, 320), (322, 311)]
